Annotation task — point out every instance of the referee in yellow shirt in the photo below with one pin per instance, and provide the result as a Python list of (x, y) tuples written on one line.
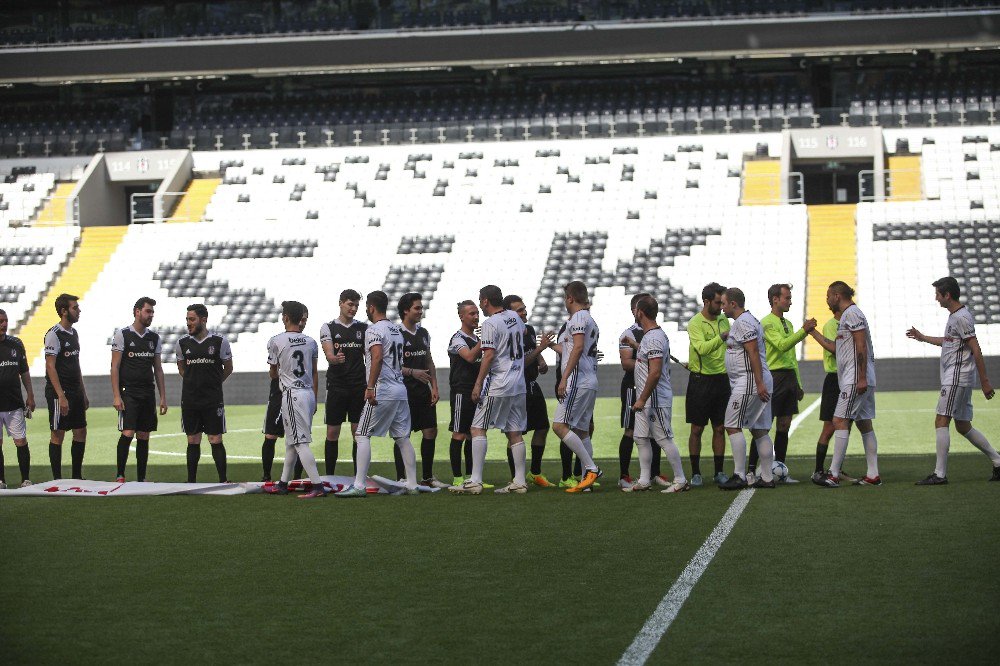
[(708, 384), (781, 338)]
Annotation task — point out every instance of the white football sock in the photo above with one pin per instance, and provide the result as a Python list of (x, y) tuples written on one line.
[(870, 442), (674, 458), (364, 460), (840, 439), (291, 457), (308, 461), (519, 454), (943, 440), (978, 440), (765, 451), (573, 441), (738, 443), (478, 459), (645, 459), (409, 460)]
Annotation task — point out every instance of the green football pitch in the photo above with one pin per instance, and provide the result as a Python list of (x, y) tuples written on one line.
[(896, 573)]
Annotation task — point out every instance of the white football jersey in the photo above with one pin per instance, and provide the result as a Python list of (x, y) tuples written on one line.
[(958, 367), (745, 328), (654, 344), (852, 320), (585, 374), (296, 355), (503, 332), (390, 380)]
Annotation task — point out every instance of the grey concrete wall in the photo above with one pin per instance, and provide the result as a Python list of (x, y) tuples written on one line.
[(250, 388), (99, 202)]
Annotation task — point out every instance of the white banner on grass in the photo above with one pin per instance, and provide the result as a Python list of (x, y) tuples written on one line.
[(78, 488)]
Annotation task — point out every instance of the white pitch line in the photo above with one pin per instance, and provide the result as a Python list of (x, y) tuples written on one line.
[(666, 612)]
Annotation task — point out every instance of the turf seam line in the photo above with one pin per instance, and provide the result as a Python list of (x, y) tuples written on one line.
[(666, 611)]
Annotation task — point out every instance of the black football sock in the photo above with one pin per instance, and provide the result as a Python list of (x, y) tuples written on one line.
[(55, 460), (354, 454), (577, 467), (467, 453), (754, 457), (76, 455), (625, 454), (695, 463), (536, 459), (141, 458), (821, 450), (455, 453), (219, 456), (297, 470), (193, 456), (123, 445), (510, 461), (331, 450), (566, 458), (397, 457), (780, 445), (3, 475), (717, 462), (267, 457), (427, 446), (24, 462), (654, 465)]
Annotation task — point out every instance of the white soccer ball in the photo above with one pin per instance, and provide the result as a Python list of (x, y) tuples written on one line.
[(780, 471)]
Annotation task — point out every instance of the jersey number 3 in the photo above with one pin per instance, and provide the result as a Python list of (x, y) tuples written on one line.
[(300, 359)]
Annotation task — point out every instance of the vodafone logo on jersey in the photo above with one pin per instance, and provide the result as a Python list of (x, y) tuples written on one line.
[(419, 352), (75, 352), (141, 354), (8, 364), (199, 361)]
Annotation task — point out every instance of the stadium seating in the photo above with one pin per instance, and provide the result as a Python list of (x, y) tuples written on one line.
[(29, 261), (904, 246), (660, 214), (22, 197)]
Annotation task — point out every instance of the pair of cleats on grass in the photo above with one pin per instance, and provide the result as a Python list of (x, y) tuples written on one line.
[(24, 484), (468, 487), (934, 480)]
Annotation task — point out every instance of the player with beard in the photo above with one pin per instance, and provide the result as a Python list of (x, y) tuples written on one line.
[(135, 371), (65, 393), (204, 361)]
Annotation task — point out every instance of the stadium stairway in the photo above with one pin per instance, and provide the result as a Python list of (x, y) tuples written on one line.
[(904, 183), (832, 255), (97, 244), (53, 213), (761, 183), (191, 207)]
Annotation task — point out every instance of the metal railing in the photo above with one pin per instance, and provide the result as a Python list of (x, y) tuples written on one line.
[(771, 185), (158, 209), (890, 191)]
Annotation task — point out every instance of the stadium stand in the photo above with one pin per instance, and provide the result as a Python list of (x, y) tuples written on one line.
[(30, 259), (22, 196)]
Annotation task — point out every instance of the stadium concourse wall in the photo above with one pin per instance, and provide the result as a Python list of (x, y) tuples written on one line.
[(501, 47), (250, 388)]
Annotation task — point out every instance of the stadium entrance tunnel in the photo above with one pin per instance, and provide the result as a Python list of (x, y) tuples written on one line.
[(831, 181)]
